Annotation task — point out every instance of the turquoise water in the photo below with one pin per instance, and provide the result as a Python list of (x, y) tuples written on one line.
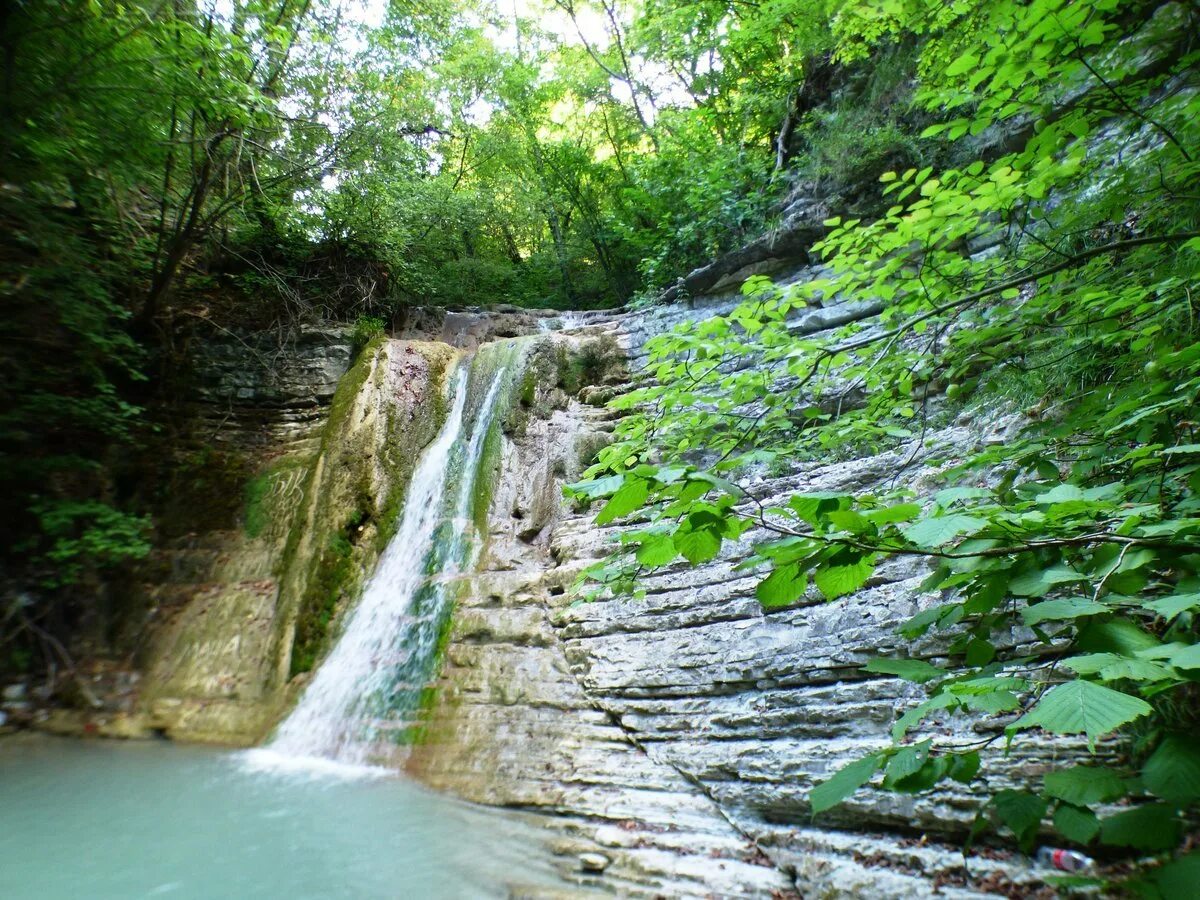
[(99, 819)]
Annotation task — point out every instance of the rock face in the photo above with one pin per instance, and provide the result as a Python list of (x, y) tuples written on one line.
[(688, 726), (238, 606), (661, 746), (515, 726), (468, 328)]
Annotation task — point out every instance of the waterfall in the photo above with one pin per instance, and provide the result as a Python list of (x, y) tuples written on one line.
[(364, 695)]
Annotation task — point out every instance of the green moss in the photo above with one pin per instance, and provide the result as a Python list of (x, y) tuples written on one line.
[(335, 427), (331, 574), (256, 517), (328, 586), (350, 522), (430, 692), (529, 384), (485, 476), (332, 584), (404, 444), (265, 501), (590, 364)]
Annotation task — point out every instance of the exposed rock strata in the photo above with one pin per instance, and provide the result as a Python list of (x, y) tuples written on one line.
[(515, 726), (628, 713), (676, 736), (227, 606)]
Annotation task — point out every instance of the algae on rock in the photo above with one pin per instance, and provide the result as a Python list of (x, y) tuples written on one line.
[(220, 668)]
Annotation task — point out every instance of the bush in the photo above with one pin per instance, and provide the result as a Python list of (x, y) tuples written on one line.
[(366, 329), (849, 147)]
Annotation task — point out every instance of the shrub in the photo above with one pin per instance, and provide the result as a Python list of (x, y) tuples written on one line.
[(366, 329)]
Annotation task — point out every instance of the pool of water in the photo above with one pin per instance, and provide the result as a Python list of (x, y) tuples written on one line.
[(99, 819)]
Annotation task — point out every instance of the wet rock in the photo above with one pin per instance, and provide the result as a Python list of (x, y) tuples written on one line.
[(237, 613), (593, 862)]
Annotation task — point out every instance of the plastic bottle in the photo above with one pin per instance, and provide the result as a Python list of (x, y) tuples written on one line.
[(1063, 860)]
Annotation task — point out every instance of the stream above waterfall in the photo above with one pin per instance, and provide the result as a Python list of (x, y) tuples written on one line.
[(150, 819)]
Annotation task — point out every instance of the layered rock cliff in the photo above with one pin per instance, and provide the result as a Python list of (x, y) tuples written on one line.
[(678, 734), (662, 745)]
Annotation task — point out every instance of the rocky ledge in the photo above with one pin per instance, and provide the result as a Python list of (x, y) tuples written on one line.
[(677, 735)]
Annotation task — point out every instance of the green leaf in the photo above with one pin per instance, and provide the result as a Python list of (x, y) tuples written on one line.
[(1170, 607), (1037, 582), (904, 512), (845, 782), (1152, 826), (940, 530), (591, 490), (631, 495), (948, 496), (849, 520), (995, 702), (918, 712), (909, 669), (1057, 610), (1084, 785), (1113, 667), (1021, 811), (697, 546), (783, 586), (979, 652), (964, 766), (1061, 493), (1076, 824), (810, 507), (656, 551), (835, 581), (965, 63), (905, 762), (1177, 880), (1173, 770), (930, 773), (1188, 658), (1115, 636), (921, 622), (1083, 707)]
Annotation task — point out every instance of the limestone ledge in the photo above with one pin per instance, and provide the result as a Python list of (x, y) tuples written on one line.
[(689, 719)]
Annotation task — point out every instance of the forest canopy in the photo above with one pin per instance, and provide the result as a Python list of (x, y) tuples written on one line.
[(263, 163)]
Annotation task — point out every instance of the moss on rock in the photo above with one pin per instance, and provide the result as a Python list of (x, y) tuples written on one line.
[(269, 594)]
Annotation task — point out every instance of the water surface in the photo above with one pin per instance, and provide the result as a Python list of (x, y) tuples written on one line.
[(101, 819)]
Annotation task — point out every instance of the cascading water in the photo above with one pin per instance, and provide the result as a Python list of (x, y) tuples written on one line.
[(366, 692)]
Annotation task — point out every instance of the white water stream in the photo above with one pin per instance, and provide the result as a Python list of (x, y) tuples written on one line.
[(367, 689)]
